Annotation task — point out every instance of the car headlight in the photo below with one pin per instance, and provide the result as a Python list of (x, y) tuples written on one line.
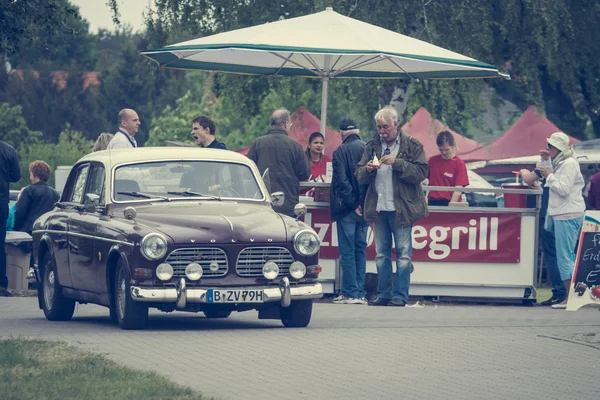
[(270, 270), (154, 246), (164, 271), (297, 270), (306, 243), (193, 271)]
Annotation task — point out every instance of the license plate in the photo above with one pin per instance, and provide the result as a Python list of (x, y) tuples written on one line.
[(234, 296)]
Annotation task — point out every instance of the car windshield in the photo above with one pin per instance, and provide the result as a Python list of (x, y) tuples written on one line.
[(210, 180)]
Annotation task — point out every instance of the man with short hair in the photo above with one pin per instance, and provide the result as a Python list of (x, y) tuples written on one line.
[(9, 172), (129, 124), (393, 165), (346, 203), (203, 131), (285, 159)]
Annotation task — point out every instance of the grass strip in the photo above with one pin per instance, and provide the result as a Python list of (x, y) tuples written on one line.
[(35, 369)]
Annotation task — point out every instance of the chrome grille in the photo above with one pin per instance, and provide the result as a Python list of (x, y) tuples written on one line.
[(180, 258), (251, 260)]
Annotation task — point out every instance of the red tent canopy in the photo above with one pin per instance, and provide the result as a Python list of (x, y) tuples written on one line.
[(423, 127), (525, 138), (303, 125)]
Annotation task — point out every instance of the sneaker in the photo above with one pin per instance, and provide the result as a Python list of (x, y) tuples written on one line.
[(354, 300), (397, 303), (552, 300), (559, 306), (363, 301), (31, 275), (379, 302), (4, 292), (341, 299)]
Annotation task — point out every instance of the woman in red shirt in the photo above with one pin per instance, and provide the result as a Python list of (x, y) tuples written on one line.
[(318, 160), (446, 169)]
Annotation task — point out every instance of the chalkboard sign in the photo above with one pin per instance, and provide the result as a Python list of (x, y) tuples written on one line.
[(585, 285)]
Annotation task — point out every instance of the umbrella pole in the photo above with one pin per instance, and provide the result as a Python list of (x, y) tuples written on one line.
[(324, 89), (324, 104)]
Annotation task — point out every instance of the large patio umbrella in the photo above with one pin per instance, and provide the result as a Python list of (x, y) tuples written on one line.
[(323, 45)]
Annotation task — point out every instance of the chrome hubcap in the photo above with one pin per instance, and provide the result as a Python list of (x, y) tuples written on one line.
[(121, 297), (49, 290)]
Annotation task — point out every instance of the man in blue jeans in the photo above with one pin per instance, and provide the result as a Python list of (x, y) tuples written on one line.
[(393, 165), (346, 201)]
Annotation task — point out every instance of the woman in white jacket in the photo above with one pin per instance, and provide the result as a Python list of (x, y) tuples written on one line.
[(566, 206)]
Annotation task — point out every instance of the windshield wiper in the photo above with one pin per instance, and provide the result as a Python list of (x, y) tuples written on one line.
[(143, 195), (190, 193)]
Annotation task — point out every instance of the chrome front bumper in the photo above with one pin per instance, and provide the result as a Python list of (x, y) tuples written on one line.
[(181, 295)]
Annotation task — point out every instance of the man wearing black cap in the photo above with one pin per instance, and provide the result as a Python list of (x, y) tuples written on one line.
[(346, 201)]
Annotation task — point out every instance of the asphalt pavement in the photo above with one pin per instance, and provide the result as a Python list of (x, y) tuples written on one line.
[(348, 351)]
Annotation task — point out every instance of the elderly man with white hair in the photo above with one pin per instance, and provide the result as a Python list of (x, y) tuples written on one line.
[(566, 206), (393, 165)]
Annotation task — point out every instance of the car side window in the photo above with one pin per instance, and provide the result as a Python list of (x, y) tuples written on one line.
[(79, 187), (96, 181)]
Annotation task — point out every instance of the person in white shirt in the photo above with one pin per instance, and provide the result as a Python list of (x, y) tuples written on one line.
[(129, 124), (566, 206)]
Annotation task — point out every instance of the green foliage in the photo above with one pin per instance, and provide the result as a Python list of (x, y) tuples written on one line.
[(549, 47), (71, 147), (49, 29), (13, 128)]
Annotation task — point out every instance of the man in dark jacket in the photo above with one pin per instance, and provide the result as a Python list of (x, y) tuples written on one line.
[(346, 201), (393, 165), (285, 159), (9, 172)]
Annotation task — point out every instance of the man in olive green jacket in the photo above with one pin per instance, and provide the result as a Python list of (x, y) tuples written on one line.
[(393, 165)]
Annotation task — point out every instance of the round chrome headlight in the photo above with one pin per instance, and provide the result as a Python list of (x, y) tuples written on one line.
[(270, 270), (307, 243), (297, 270), (193, 271), (164, 271), (154, 246)]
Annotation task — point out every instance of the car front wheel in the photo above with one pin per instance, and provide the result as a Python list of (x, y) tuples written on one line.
[(297, 315), (55, 306), (129, 313)]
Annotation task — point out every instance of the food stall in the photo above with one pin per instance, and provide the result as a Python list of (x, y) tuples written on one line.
[(458, 251)]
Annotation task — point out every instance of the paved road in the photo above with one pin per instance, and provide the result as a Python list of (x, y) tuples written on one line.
[(349, 351)]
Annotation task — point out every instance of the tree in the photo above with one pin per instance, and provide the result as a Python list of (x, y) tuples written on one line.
[(13, 128), (548, 46), (49, 30), (70, 148)]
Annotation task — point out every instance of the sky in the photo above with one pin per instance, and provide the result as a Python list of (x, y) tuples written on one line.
[(99, 15)]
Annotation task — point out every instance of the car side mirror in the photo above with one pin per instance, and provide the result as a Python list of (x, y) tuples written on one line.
[(300, 209), (90, 202), (277, 199)]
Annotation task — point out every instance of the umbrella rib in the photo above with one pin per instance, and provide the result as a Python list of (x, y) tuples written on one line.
[(403, 70), (285, 60), (335, 63), (349, 67), (293, 62), (314, 64)]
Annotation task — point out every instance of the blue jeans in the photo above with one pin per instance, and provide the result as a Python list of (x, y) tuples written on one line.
[(549, 248), (352, 245), (566, 234), (385, 228)]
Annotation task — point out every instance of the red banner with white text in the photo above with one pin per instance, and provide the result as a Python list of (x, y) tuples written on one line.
[(441, 237)]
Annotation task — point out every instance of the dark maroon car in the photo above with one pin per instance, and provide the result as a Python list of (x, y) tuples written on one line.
[(177, 229)]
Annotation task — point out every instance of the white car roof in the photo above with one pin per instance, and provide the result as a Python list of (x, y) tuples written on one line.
[(147, 154)]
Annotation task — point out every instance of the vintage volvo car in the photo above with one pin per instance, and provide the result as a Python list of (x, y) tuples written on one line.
[(173, 228)]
